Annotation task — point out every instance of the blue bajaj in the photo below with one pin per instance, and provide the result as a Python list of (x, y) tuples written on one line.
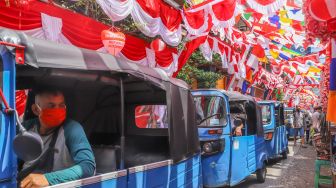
[(231, 137), (274, 129), (140, 123)]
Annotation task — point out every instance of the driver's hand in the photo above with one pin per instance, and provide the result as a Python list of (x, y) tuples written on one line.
[(34, 181)]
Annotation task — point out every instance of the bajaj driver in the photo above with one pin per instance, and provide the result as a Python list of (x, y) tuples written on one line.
[(67, 154)]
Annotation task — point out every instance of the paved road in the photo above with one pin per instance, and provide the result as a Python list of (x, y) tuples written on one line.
[(297, 171)]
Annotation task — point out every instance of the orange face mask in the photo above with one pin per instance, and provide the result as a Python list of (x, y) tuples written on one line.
[(53, 117)]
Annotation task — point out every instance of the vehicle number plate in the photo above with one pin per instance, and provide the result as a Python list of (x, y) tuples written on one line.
[(236, 144)]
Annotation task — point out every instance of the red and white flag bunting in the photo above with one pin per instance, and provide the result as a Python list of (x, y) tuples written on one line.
[(48, 22)]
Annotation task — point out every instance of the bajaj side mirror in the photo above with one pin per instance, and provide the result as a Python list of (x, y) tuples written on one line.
[(28, 145)]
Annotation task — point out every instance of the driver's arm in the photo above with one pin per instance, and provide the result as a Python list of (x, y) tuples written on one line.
[(82, 155)]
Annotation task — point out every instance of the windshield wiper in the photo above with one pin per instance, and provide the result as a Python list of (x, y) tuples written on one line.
[(208, 118)]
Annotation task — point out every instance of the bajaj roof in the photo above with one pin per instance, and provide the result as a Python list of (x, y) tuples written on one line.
[(236, 96)]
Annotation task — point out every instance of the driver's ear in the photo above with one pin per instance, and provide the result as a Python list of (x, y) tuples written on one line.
[(35, 110)]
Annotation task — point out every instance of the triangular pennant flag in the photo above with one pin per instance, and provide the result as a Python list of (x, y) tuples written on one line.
[(247, 15)]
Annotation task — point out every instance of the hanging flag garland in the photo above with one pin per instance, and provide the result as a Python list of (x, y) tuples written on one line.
[(151, 17), (223, 13), (266, 7)]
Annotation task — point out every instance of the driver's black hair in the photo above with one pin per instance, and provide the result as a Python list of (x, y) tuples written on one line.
[(237, 122), (43, 89)]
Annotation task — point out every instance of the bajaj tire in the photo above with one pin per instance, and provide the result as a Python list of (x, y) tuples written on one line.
[(261, 174), (284, 155)]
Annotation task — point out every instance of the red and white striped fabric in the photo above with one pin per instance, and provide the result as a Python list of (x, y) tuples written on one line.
[(152, 17), (48, 22), (266, 7), (220, 13)]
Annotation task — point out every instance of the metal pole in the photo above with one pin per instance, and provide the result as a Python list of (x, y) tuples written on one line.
[(122, 115)]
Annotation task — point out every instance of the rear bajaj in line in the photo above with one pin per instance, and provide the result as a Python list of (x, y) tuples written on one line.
[(274, 129), (228, 158), (136, 118)]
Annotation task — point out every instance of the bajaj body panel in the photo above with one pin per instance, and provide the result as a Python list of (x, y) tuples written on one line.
[(215, 167), (161, 174), (274, 128)]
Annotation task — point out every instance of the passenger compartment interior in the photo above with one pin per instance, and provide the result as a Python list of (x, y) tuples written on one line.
[(237, 112), (95, 103), (246, 111)]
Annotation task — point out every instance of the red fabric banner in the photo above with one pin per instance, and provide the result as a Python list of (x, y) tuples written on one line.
[(222, 14), (165, 57), (195, 19), (134, 48), (258, 51), (224, 10), (189, 48), (170, 17), (267, 7), (20, 98), (9, 18), (151, 7), (264, 2)]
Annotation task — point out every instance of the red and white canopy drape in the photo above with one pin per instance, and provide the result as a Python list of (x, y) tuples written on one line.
[(267, 7), (155, 17), (48, 22), (152, 17), (220, 13)]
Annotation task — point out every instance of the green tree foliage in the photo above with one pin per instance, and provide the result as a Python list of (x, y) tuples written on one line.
[(205, 79), (88, 8), (279, 94), (197, 59), (191, 71)]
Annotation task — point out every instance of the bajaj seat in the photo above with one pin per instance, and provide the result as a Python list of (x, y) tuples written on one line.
[(106, 158), (106, 151), (143, 150), (238, 112)]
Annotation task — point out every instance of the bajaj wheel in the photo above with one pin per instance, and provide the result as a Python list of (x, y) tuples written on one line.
[(261, 174), (284, 155)]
